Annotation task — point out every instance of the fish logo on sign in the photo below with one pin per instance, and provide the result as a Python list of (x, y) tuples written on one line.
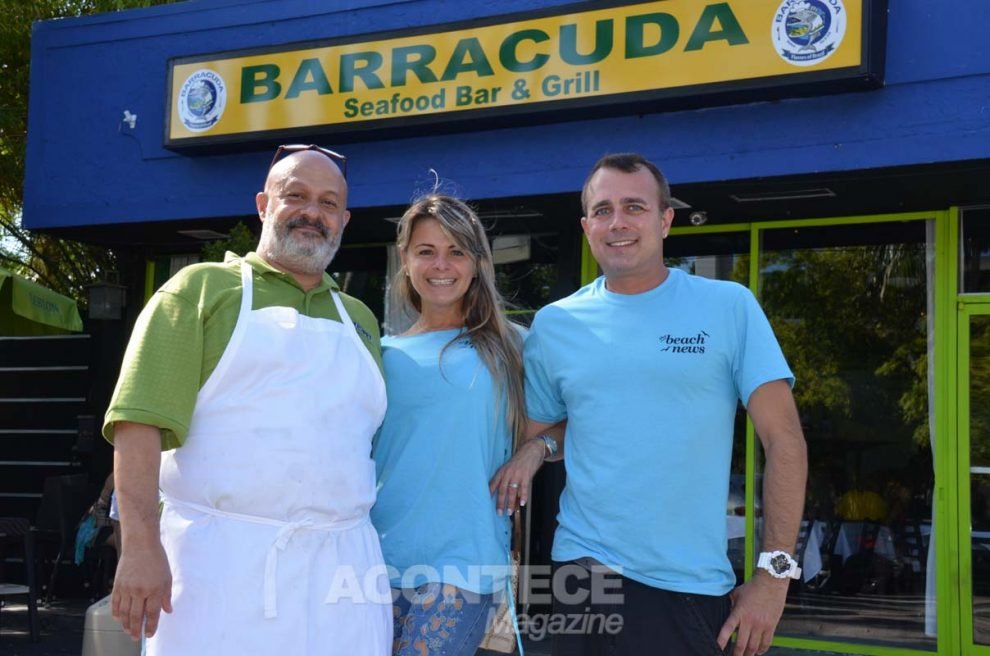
[(807, 32), (202, 100)]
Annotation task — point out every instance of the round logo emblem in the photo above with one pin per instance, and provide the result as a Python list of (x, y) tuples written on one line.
[(806, 32), (202, 99)]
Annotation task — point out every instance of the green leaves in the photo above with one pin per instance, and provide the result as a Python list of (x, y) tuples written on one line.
[(240, 241), (65, 266)]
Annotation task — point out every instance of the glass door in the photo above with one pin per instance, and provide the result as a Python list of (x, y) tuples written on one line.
[(974, 492), (850, 304), (851, 301)]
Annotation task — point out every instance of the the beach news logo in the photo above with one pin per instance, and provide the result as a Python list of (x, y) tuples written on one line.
[(807, 32), (684, 344), (202, 100)]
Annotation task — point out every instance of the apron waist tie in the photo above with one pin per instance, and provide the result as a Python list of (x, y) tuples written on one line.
[(282, 538)]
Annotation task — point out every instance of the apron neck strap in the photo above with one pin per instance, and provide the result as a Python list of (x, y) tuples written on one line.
[(247, 287), (344, 317)]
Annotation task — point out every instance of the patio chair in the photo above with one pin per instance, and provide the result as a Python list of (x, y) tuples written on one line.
[(16, 531), (63, 503)]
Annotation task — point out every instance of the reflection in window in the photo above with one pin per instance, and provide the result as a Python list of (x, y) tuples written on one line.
[(723, 256), (974, 242), (360, 271), (850, 306), (979, 394), (526, 277), (979, 461)]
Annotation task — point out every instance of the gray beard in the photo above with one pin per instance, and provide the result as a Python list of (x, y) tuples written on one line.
[(280, 246)]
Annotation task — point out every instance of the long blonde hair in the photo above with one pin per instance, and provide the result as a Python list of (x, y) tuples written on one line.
[(497, 341)]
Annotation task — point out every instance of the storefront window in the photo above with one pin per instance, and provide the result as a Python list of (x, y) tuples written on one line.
[(527, 272), (850, 305), (721, 256), (974, 244), (360, 271), (979, 474)]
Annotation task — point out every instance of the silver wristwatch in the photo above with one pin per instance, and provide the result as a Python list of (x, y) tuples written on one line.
[(550, 444), (780, 564)]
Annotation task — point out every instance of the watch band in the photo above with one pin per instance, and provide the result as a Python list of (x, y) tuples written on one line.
[(779, 564), (550, 444)]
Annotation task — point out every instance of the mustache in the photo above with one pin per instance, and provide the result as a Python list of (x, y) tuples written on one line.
[(299, 221)]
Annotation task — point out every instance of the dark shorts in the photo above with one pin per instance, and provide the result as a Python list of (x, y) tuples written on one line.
[(600, 613)]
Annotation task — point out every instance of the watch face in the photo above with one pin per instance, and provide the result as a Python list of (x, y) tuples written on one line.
[(780, 563)]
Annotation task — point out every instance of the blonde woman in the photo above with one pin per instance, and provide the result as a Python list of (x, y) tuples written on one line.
[(455, 405)]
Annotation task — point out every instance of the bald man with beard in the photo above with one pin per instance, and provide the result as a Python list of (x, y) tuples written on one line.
[(247, 400)]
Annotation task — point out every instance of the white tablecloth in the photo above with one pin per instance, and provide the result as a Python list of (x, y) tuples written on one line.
[(847, 543), (735, 526)]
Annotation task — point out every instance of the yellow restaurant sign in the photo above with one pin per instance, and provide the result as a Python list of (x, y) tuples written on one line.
[(631, 53)]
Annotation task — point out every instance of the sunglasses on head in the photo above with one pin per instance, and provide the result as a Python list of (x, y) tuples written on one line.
[(334, 157)]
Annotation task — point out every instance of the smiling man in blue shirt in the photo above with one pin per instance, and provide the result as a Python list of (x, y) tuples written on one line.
[(647, 365)]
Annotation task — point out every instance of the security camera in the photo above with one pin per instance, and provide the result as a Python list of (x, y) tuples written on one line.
[(698, 218)]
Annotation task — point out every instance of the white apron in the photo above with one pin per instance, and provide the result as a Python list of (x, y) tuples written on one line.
[(265, 520)]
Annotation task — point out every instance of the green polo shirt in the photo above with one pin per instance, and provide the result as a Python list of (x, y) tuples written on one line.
[(182, 332)]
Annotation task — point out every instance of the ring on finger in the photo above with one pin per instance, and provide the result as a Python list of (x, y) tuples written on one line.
[(513, 484)]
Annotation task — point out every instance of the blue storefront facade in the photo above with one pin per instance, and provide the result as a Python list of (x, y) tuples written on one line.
[(853, 199)]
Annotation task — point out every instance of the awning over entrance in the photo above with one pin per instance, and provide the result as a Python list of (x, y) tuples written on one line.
[(27, 308)]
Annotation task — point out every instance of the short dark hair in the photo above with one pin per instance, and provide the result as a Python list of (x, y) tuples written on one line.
[(628, 163)]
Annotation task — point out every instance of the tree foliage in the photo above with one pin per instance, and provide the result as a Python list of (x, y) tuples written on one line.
[(239, 241), (979, 391), (63, 265), (852, 321)]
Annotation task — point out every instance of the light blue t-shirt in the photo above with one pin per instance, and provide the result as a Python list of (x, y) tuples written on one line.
[(649, 384), (443, 438)]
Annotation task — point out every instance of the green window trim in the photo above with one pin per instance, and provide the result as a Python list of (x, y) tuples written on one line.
[(589, 267), (149, 280)]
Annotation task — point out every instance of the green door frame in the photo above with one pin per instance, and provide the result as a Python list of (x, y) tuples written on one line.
[(948, 573), (978, 306)]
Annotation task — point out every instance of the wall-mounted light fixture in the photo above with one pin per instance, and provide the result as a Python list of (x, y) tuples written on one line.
[(107, 299)]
